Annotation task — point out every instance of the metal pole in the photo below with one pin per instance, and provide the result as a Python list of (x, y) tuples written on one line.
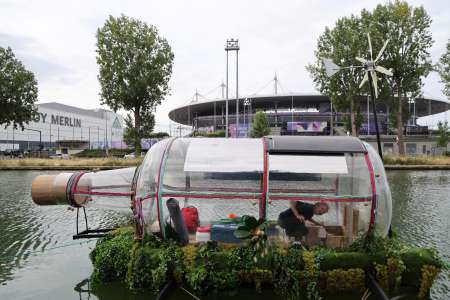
[(368, 116), (292, 114), (106, 134), (237, 93), (331, 118), (215, 116), (226, 101), (243, 118), (40, 143), (276, 84), (89, 133), (372, 93), (276, 114)]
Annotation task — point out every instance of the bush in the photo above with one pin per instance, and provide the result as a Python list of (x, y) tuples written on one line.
[(110, 257), (260, 125), (215, 134), (158, 135), (92, 153), (292, 272)]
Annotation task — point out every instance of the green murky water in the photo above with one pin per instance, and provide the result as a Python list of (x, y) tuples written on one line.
[(38, 258)]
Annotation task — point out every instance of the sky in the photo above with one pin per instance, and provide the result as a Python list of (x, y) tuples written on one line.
[(56, 40)]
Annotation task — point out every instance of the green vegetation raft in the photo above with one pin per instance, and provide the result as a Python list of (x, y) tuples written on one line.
[(291, 271)]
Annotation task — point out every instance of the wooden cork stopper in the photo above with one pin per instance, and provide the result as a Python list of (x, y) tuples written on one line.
[(50, 189)]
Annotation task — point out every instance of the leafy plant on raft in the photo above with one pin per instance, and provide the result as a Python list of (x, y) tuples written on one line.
[(293, 272), (254, 231)]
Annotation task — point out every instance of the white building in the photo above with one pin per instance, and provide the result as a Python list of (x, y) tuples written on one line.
[(56, 122)]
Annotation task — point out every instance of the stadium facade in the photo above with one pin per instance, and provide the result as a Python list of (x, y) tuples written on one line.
[(58, 126), (310, 114)]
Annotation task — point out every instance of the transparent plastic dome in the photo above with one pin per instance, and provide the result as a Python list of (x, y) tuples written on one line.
[(261, 178), (383, 209)]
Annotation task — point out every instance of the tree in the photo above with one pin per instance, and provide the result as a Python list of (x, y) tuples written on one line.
[(444, 70), (260, 126), (443, 135), (18, 91), (131, 133), (135, 67), (341, 44), (407, 29)]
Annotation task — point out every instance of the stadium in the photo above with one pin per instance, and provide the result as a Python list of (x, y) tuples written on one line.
[(310, 114)]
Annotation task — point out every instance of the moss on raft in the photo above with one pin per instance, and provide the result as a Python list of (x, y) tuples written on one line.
[(210, 267)]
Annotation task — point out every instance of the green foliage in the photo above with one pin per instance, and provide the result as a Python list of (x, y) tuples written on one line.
[(89, 153), (260, 125), (215, 134), (131, 134), (389, 275), (345, 260), (311, 275), (340, 280), (342, 44), (358, 119), (407, 54), (428, 274), (293, 272), (146, 269), (287, 270), (444, 70), (18, 91), (110, 257), (443, 134), (158, 135), (414, 260), (135, 67)]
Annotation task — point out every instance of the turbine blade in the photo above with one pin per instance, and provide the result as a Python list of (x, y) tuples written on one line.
[(375, 82), (330, 67), (383, 70), (365, 78), (360, 59), (382, 50), (370, 46)]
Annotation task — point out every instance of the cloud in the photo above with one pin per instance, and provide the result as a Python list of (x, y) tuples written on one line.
[(31, 53)]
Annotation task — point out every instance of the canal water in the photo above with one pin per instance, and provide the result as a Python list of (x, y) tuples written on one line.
[(39, 259)]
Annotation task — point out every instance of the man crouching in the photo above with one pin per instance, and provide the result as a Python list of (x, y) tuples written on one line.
[(293, 219)]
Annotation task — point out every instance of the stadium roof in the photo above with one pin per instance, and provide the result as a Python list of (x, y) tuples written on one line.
[(186, 113)]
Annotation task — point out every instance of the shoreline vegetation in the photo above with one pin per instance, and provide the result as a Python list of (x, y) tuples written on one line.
[(104, 163), (69, 164)]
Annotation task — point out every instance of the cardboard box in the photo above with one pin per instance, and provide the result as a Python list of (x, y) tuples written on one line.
[(335, 237), (312, 238), (335, 241)]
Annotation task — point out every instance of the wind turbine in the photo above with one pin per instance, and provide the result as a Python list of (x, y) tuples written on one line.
[(371, 68)]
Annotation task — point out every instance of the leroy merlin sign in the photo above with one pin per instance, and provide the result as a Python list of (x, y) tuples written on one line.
[(57, 120)]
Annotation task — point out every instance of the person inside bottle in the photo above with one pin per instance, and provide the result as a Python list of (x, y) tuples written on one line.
[(293, 219)]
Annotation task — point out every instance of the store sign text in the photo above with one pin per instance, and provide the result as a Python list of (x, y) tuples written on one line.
[(58, 120)]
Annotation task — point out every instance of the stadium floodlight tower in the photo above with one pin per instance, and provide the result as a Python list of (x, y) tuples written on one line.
[(370, 67), (232, 45)]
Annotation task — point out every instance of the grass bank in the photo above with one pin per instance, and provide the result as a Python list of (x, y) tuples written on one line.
[(72, 163), (423, 160)]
